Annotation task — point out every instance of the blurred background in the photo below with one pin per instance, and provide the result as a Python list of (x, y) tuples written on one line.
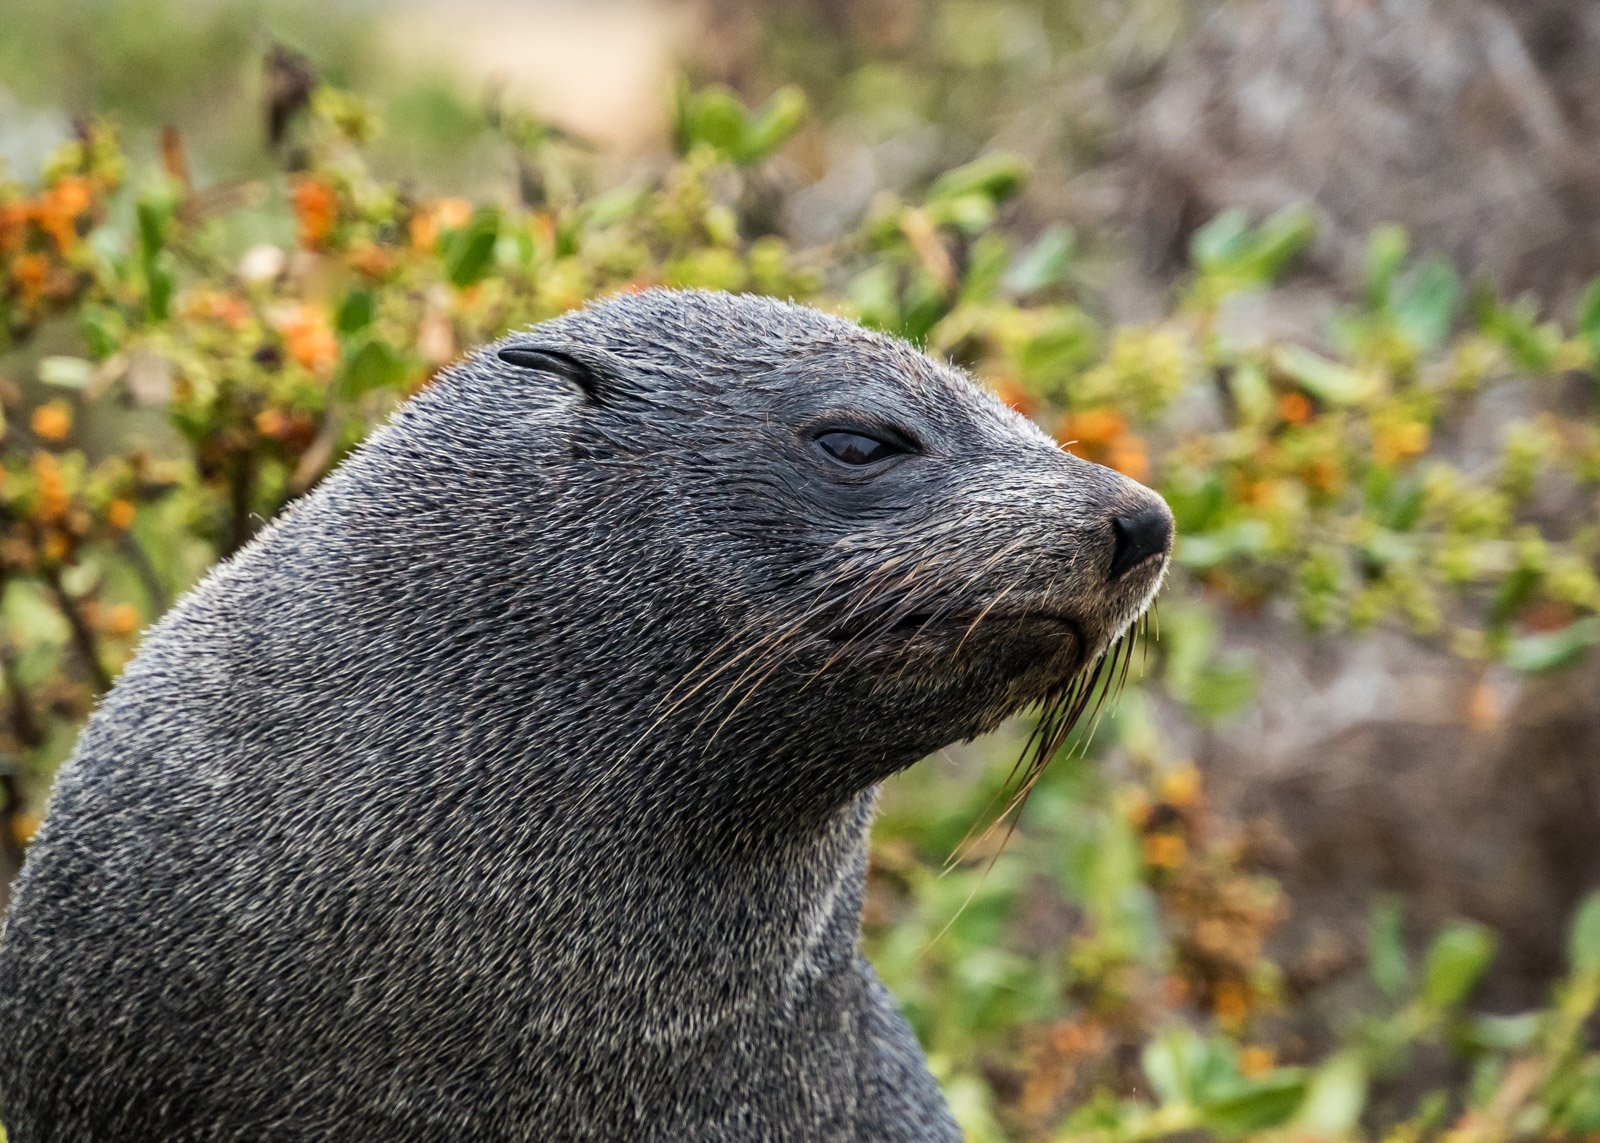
[(1321, 271)]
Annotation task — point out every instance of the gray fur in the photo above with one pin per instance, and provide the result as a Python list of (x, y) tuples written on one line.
[(516, 783)]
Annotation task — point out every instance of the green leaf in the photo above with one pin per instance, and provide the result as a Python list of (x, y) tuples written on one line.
[(1504, 1033), (1386, 549), (103, 329), (1265, 1103), (1229, 247), (569, 237), (1551, 650), (971, 214), (682, 116), (996, 177), (154, 212), (1581, 1117), (66, 372), (1211, 549), (1587, 320), (1401, 508), (715, 118), (1221, 241), (986, 264), (1335, 1097), (1251, 391), (1386, 253), (773, 125), (1455, 963), (1515, 589), (609, 208), (1219, 689), (1044, 263), (355, 312), (1062, 346), (1276, 243), (1386, 950), (1583, 942), (1196, 501), (469, 251), (1189, 637), (1171, 1061), (1426, 306), (1328, 381), (160, 285), (923, 306), (1530, 344), (873, 293), (374, 364)]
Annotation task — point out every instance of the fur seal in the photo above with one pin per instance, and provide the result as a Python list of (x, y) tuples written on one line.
[(515, 784)]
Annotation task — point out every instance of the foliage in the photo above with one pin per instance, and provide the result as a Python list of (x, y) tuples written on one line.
[(181, 361)]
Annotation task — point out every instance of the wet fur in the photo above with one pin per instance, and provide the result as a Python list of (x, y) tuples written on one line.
[(516, 783)]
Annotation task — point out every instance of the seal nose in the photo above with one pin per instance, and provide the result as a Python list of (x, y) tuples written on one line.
[(1139, 536)]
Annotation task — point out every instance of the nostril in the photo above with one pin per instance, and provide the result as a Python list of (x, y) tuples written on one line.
[(1139, 536)]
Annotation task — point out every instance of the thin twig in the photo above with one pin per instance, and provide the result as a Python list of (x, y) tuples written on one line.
[(155, 591), (83, 636), (241, 487)]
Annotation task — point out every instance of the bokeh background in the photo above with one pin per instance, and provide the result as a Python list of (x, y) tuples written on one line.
[(1319, 270)]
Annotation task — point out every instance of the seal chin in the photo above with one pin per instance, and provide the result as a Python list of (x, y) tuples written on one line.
[(1062, 635), (1028, 651)]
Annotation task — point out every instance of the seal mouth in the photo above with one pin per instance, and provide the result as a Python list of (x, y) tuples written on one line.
[(951, 630)]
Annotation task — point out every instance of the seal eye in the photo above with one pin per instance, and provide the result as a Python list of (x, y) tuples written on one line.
[(857, 448)]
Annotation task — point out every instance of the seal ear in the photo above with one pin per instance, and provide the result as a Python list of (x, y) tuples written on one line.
[(600, 376)]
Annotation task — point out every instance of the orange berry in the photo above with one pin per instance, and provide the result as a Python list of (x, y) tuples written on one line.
[(56, 547), (1256, 1060), (309, 339), (1324, 475), (14, 224), (1213, 936), (452, 213), (1164, 851), (122, 620), (370, 260), (59, 209), (54, 500), (316, 206), (24, 826), (1230, 1003), (271, 423), (1398, 442), (1181, 788), (119, 514), (1485, 707), (445, 214), (226, 308), (1134, 805), (1016, 397), (1296, 408), (1095, 426), (31, 272), (52, 421), (1128, 457), (423, 230), (71, 195)]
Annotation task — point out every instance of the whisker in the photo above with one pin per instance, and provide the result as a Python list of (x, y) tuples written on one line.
[(761, 646)]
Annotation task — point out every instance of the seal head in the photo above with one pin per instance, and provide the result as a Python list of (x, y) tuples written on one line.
[(860, 516)]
